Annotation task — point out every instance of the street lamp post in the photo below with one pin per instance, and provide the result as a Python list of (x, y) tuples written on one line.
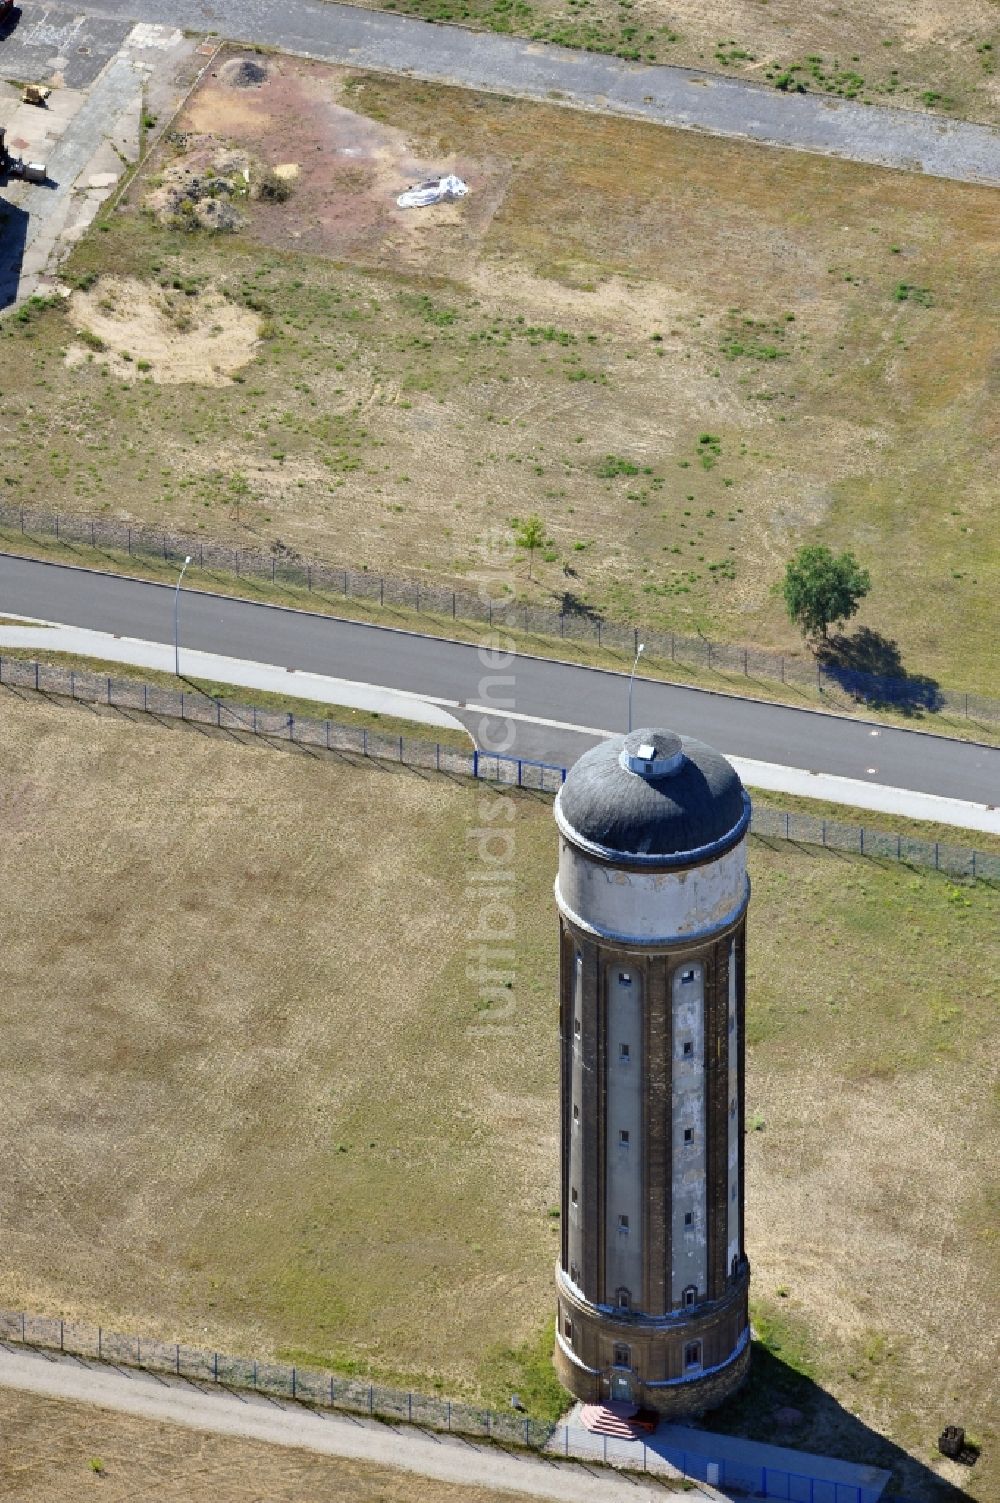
[(638, 654), (177, 618)]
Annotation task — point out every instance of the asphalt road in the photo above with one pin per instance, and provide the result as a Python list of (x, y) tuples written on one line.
[(559, 695), (659, 93)]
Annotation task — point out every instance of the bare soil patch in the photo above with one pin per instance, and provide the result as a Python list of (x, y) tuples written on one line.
[(137, 330), (348, 167)]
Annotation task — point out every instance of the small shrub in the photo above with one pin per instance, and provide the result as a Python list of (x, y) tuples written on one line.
[(613, 465), (267, 185)]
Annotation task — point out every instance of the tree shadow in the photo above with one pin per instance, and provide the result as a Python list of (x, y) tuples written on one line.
[(869, 667), (781, 1406), (570, 604), (13, 238)]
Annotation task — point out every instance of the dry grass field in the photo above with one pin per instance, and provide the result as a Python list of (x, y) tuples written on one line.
[(931, 54), (49, 1447), (252, 1100), (686, 368)]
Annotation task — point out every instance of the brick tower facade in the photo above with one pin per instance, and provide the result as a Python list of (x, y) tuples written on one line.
[(652, 893)]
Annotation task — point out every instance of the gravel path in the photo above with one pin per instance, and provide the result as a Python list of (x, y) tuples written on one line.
[(252, 1417), (662, 94)]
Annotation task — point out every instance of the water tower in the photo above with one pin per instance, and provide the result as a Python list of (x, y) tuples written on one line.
[(652, 893)]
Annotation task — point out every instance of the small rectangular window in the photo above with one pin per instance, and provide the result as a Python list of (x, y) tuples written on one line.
[(732, 1022), (687, 975), (732, 1108), (689, 1218), (576, 1113), (574, 1273), (732, 1194), (692, 1354), (689, 1134), (623, 1224), (624, 1053), (573, 1196), (576, 1026), (568, 1329), (623, 1354), (690, 1295), (624, 978), (688, 1049), (623, 1137)]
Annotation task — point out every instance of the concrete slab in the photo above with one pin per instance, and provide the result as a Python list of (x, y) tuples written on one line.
[(53, 46), (86, 136)]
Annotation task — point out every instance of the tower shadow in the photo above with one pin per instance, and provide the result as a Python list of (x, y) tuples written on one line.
[(781, 1406), (13, 238)]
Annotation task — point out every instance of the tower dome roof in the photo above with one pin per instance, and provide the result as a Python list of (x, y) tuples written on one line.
[(653, 798)]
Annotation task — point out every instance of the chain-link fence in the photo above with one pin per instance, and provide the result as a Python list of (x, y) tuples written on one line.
[(279, 1380), (521, 772), (837, 835), (282, 565)]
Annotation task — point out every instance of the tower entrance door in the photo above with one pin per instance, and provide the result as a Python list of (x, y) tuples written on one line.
[(621, 1388)]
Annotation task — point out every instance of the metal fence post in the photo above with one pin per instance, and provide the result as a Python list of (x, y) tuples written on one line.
[(177, 1358), (100, 1343), (605, 1440), (293, 1382), (138, 1352), (409, 1407), (824, 832), (72, 684), (937, 852), (861, 832), (215, 1366), (371, 1399), (331, 1391), (62, 1347), (449, 1416), (255, 1372), (475, 761), (566, 1438), (381, 589)]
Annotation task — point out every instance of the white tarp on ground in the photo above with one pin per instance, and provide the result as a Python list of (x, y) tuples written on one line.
[(436, 190)]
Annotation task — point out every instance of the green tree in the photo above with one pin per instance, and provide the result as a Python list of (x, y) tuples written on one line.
[(820, 588), (529, 532)]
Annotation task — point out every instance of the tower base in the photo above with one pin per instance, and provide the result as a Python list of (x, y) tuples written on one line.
[(673, 1401), (679, 1365)]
